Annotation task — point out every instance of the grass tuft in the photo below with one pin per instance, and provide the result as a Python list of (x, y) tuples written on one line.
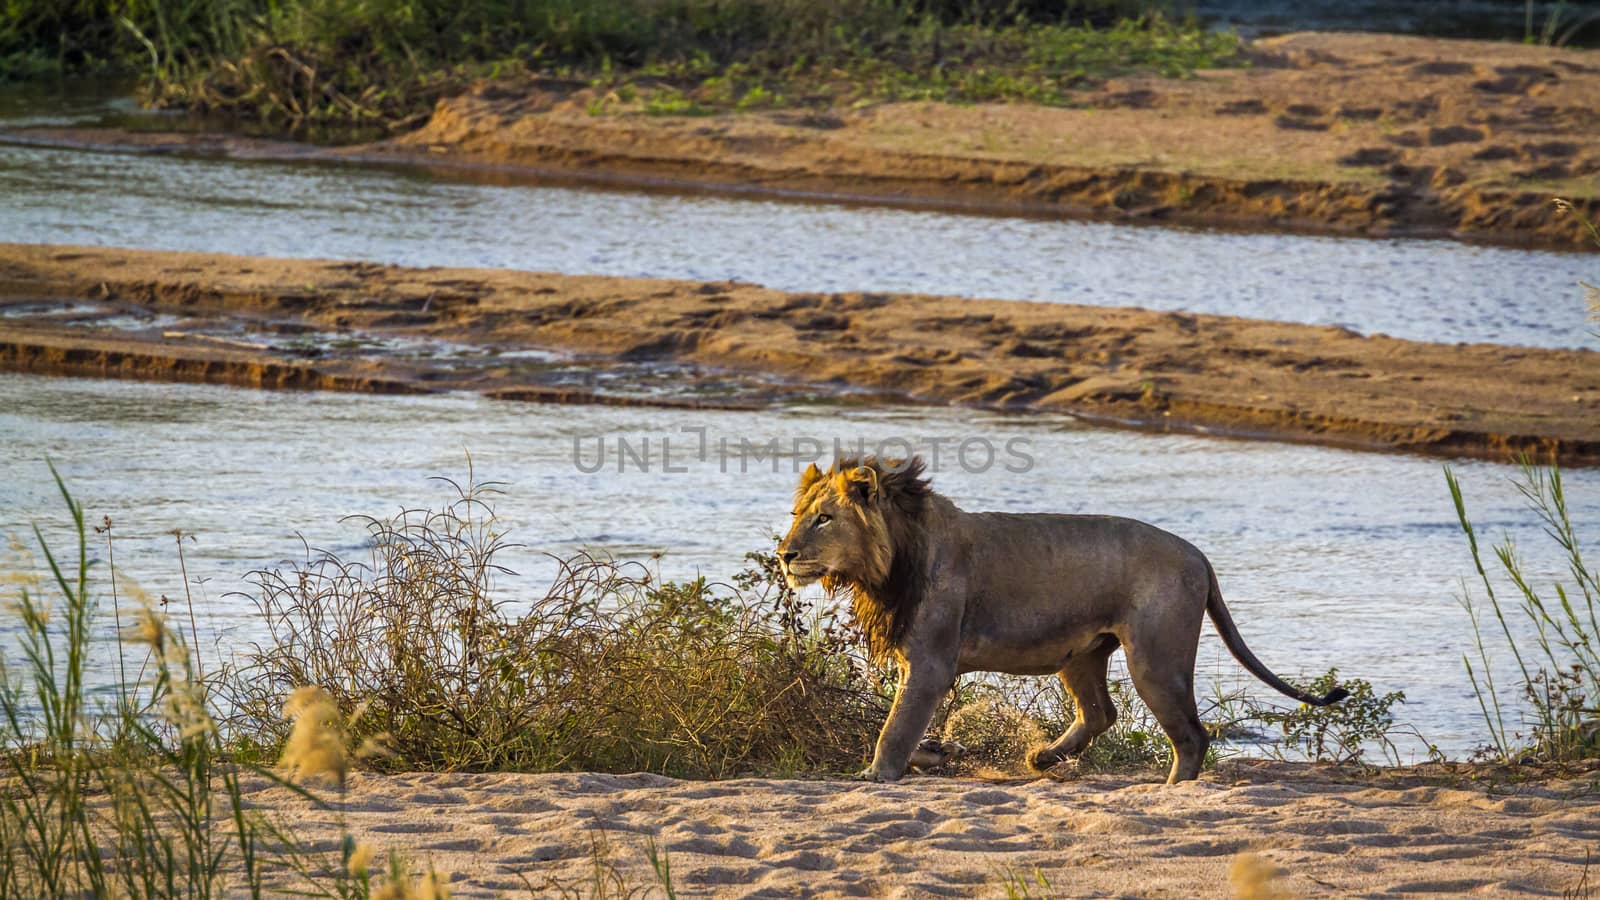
[(1559, 675), (1559, 672)]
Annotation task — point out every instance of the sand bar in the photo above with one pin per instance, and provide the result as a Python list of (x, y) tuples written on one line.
[(221, 319)]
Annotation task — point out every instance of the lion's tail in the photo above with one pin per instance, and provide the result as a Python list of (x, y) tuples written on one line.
[(1230, 636)]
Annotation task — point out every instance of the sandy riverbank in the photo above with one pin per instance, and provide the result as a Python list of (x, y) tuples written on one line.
[(1341, 133), (1345, 133), (1329, 833), (356, 326)]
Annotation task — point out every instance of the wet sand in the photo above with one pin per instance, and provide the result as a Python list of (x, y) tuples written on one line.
[(223, 319), (1326, 832)]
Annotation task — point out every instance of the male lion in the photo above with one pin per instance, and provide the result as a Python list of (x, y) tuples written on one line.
[(945, 592)]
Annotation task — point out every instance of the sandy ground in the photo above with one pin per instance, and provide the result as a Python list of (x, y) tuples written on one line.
[(355, 326), (1342, 133), (1328, 833)]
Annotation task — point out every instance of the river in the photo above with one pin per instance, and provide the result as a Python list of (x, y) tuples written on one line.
[(1327, 557)]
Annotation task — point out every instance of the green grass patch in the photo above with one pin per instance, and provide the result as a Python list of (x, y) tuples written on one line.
[(292, 63)]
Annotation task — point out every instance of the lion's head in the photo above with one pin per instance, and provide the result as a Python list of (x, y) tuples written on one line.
[(860, 525)]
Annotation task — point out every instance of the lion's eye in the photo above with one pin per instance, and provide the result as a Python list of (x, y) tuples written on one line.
[(823, 519)]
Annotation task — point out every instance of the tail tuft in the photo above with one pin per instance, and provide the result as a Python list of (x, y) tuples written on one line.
[(1333, 696)]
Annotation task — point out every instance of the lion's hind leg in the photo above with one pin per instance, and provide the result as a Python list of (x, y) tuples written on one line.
[(1167, 687), (1085, 679)]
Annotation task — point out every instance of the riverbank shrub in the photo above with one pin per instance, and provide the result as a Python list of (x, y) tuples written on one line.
[(1345, 731), (608, 670), (1556, 711), (1554, 714), (294, 62)]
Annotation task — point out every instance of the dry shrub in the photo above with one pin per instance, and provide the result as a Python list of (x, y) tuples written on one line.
[(607, 671), (1035, 710), (996, 735)]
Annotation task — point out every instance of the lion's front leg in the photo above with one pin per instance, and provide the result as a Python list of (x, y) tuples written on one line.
[(921, 689)]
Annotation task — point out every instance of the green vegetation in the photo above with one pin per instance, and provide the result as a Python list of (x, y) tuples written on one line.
[(1559, 674), (295, 62), (1025, 886), (1558, 677), (1343, 732), (1559, 26)]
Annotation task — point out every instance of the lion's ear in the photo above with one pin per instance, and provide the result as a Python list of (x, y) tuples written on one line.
[(810, 476), (863, 481)]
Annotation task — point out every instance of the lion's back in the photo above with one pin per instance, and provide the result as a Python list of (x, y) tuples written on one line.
[(1090, 552)]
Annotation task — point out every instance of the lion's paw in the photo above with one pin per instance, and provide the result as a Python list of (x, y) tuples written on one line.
[(1068, 769), (1042, 759)]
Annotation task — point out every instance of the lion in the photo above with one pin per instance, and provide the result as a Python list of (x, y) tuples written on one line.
[(944, 592)]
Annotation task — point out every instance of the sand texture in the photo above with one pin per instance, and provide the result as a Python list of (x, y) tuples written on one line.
[(1329, 833)]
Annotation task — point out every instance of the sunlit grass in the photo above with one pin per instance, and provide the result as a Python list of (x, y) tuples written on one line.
[(296, 62), (138, 796)]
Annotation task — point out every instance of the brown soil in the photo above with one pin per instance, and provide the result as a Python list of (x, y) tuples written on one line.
[(1313, 832), (739, 343), (1344, 133)]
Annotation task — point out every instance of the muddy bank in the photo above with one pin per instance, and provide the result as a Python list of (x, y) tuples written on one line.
[(1360, 134), (1345, 133), (1315, 832), (515, 334)]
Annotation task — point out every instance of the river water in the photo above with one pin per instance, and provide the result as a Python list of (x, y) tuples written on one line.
[(1424, 290), (1327, 557)]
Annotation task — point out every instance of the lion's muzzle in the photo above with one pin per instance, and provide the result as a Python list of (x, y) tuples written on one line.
[(801, 572)]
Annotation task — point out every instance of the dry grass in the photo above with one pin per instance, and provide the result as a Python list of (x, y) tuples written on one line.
[(1254, 878), (607, 671), (136, 797)]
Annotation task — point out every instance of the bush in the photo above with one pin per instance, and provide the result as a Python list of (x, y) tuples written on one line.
[(607, 671), (1341, 732)]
